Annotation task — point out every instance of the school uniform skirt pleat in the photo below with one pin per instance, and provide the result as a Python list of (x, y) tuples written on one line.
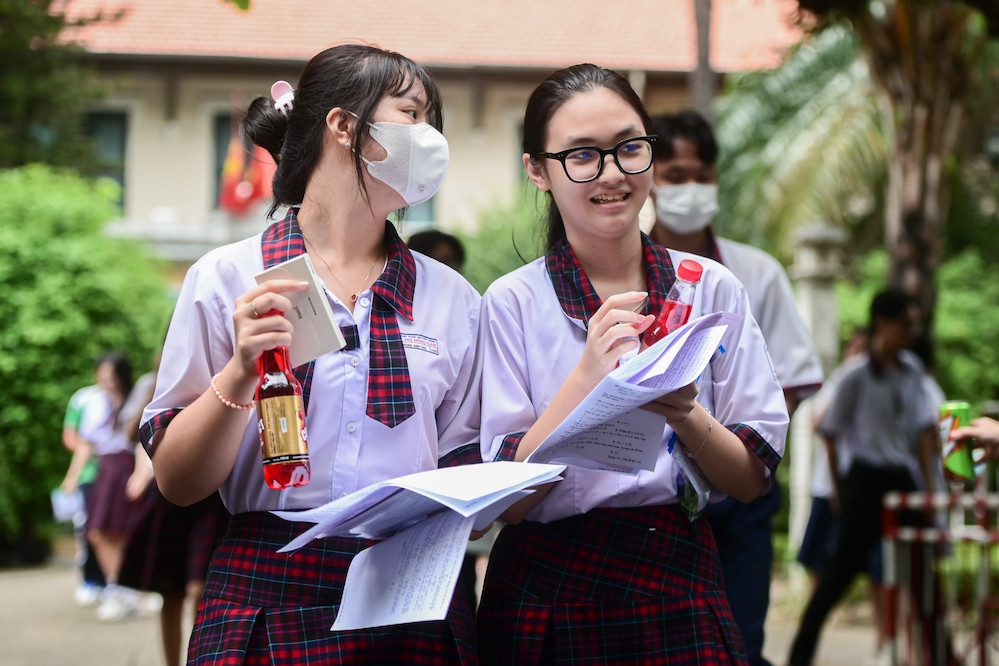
[(265, 607), (172, 545), (108, 508), (612, 586)]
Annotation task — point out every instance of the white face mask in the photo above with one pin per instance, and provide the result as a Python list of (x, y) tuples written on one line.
[(417, 159), (686, 208)]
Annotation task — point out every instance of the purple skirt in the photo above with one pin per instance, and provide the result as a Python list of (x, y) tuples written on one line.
[(265, 607), (612, 586), (171, 545), (108, 509)]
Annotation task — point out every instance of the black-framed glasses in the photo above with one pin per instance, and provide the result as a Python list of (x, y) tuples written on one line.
[(586, 163)]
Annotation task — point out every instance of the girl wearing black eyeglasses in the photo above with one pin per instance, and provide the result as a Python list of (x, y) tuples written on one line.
[(607, 567)]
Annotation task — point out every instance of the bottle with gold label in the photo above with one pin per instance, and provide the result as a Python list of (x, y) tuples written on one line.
[(281, 421)]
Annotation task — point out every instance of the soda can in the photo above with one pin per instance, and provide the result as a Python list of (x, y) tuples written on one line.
[(957, 461)]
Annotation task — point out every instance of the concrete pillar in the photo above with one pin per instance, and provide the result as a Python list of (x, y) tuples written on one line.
[(817, 263)]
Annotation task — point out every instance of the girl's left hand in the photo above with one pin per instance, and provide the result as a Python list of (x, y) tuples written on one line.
[(675, 406), (478, 534)]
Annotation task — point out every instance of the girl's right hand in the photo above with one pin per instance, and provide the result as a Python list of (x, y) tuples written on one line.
[(611, 333), (259, 320)]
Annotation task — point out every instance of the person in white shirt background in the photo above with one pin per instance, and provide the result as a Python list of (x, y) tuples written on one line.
[(111, 514), (685, 194)]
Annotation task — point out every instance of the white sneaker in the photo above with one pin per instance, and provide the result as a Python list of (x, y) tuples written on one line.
[(87, 594), (120, 605), (150, 604)]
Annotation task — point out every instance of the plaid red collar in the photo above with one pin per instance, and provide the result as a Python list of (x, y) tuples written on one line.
[(577, 296), (390, 395)]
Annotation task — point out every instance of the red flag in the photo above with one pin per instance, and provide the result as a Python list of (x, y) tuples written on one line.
[(246, 178)]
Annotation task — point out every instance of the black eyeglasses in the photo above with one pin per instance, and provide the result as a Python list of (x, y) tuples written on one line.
[(586, 163)]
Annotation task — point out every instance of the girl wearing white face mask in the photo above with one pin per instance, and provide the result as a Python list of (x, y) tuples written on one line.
[(358, 138)]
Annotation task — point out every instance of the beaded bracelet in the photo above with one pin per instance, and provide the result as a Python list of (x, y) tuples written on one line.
[(226, 401), (711, 424)]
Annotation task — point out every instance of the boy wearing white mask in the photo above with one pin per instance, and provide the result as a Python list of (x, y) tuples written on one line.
[(685, 192)]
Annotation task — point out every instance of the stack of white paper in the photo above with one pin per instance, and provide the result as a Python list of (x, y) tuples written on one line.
[(425, 520), (607, 430)]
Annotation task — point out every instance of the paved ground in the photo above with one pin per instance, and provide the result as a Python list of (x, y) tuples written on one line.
[(41, 626)]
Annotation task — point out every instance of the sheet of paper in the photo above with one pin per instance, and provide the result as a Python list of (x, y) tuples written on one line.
[(385, 508), (492, 512), (340, 509), (683, 363), (409, 577), (673, 362), (618, 444)]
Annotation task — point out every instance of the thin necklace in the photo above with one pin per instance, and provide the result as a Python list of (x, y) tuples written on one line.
[(353, 295)]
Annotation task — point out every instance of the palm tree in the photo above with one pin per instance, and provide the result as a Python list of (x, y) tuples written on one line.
[(922, 57), (801, 143)]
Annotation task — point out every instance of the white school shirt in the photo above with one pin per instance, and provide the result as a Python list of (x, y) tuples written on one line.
[(528, 346), (788, 339), (879, 419), (821, 483), (97, 426), (347, 449)]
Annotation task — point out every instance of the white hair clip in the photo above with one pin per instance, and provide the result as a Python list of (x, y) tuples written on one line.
[(284, 97)]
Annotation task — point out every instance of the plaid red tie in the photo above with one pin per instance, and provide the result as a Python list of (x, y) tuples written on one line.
[(390, 395)]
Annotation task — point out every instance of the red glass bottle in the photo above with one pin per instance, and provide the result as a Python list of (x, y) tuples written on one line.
[(679, 302), (281, 422)]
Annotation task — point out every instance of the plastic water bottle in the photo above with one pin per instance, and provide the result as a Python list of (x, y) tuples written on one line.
[(679, 302)]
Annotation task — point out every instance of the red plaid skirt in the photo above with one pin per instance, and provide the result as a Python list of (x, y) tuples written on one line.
[(265, 607), (613, 586), (108, 510), (172, 545)]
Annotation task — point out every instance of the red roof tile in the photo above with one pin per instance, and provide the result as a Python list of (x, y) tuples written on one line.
[(655, 35)]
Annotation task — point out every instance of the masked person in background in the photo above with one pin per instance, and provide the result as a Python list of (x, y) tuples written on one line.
[(356, 140), (685, 192)]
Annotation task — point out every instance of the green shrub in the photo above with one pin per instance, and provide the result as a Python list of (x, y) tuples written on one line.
[(966, 337), (507, 238), (67, 293)]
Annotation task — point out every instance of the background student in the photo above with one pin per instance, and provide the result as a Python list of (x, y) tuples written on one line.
[(685, 192), (880, 415), (91, 583)]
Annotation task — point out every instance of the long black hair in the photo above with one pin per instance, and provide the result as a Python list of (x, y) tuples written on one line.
[(687, 124), (122, 369), (554, 91), (353, 77)]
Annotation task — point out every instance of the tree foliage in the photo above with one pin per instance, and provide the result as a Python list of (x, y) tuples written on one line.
[(967, 340), (924, 58), (802, 143), (68, 292), (44, 86), (507, 237)]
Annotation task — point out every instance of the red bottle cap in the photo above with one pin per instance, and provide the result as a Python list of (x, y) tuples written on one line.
[(689, 270)]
